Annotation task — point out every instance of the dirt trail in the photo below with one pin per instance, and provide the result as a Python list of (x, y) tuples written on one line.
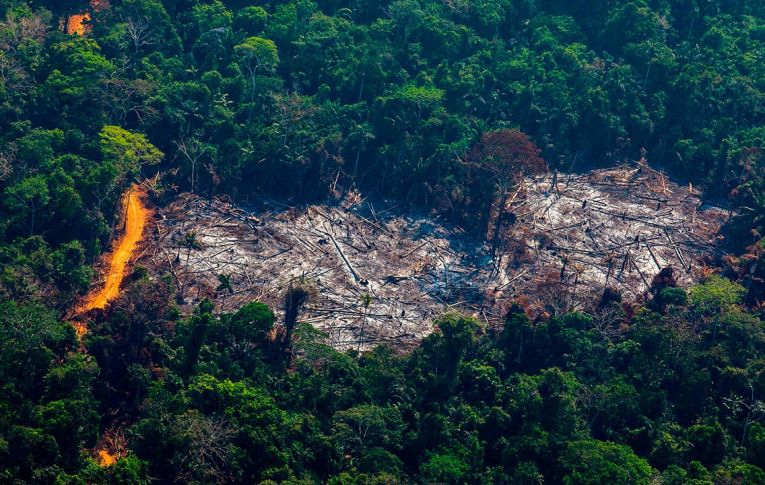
[(136, 214)]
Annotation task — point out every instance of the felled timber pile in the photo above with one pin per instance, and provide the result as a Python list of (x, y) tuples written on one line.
[(382, 275)]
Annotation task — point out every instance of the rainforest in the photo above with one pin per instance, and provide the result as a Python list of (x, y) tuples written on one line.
[(382, 242)]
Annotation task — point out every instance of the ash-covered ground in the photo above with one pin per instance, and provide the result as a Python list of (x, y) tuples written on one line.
[(575, 235), (382, 275)]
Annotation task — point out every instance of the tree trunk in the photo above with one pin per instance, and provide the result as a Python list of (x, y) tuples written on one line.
[(32, 222), (498, 223), (361, 87), (252, 97), (361, 330), (193, 170), (356, 164), (647, 73)]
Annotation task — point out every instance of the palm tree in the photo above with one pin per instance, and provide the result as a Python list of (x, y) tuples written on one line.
[(190, 242)]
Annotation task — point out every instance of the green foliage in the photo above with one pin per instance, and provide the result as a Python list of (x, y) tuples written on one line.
[(367, 426), (27, 197), (128, 151), (595, 462), (444, 468), (48, 412), (673, 296), (716, 295), (258, 54), (251, 19)]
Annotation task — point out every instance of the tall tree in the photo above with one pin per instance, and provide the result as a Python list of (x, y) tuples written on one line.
[(504, 156), (257, 55)]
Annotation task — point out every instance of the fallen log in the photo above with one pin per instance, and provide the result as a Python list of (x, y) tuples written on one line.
[(356, 276)]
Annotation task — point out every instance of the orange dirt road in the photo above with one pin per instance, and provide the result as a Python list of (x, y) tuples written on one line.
[(136, 214)]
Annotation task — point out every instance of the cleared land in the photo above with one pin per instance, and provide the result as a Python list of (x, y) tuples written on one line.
[(571, 237)]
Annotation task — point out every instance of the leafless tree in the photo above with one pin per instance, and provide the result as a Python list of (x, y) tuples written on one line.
[(193, 149), (558, 296), (597, 401), (139, 32), (114, 443), (20, 35), (607, 321), (208, 446), (126, 98), (7, 159), (752, 408), (290, 111)]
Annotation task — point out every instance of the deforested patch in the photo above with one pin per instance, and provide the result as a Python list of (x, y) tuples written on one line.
[(382, 274)]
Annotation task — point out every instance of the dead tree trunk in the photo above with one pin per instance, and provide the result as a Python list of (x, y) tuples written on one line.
[(498, 224)]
